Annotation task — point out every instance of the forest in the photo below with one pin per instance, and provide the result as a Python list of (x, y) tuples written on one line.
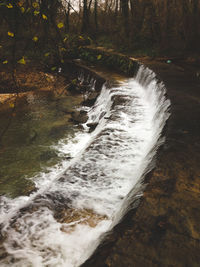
[(140, 27), (99, 133)]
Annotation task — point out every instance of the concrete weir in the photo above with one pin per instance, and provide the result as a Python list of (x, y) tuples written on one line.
[(164, 229), (75, 207)]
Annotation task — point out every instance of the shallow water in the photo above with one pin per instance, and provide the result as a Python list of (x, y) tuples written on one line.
[(40, 120)]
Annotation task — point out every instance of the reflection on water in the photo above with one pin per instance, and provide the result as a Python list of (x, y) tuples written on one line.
[(39, 121)]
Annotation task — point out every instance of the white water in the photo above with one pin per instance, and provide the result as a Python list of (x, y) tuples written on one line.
[(106, 165)]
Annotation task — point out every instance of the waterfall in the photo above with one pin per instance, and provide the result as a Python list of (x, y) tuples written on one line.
[(76, 202)]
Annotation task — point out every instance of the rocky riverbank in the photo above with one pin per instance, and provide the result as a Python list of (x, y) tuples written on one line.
[(164, 230)]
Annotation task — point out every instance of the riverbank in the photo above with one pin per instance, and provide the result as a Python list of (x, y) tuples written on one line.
[(164, 229)]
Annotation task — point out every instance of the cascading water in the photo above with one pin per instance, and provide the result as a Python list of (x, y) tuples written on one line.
[(61, 224)]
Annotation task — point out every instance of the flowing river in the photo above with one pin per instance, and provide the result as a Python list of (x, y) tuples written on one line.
[(78, 201)]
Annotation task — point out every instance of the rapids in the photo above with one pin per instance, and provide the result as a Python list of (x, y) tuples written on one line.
[(77, 202)]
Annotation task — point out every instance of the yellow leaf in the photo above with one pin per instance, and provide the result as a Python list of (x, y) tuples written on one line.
[(22, 9), (9, 5), (35, 39), (60, 25), (63, 49), (53, 68), (74, 81), (44, 16), (65, 39), (1, 46), (36, 13), (22, 61), (12, 105), (46, 54), (81, 37), (5, 62), (62, 61), (99, 57), (11, 34), (35, 4)]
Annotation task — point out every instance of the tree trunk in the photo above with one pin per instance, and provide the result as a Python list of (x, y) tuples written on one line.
[(85, 18), (67, 17), (125, 16), (116, 7), (96, 17)]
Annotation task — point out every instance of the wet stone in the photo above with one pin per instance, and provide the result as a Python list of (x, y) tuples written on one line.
[(74, 216), (79, 116), (59, 130), (47, 155), (92, 126), (90, 100), (119, 100)]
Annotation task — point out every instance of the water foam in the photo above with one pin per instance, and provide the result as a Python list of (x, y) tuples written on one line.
[(107, 164)]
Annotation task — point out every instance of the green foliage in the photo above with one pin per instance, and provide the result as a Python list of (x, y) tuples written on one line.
[(111, 60)]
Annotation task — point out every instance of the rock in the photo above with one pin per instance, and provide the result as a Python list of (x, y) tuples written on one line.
[(119, 100), (68, 158), (84, 86), (64, 107), (92, 126), (77, 87), (90, 99), (79, 116), (87, 216), (47, 155), (32, 136), (31, 189), (58, 131), (73, 88), (93, 95), (102, 115), (3, 253)]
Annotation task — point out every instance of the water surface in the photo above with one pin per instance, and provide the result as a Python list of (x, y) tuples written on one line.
[(39, 121)]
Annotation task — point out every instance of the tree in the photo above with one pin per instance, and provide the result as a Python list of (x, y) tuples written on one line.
[(95, 16), (85, 18), (67, 26), (124, 4)]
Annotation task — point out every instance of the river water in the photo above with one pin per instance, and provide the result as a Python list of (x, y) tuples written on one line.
[(78, 201)]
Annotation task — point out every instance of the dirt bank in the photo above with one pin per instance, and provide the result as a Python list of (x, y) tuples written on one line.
[(164, 230)]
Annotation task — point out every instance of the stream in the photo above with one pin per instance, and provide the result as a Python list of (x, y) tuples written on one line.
[(78, 200)]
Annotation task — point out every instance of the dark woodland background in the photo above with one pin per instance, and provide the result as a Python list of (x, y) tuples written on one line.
[(37, 30)]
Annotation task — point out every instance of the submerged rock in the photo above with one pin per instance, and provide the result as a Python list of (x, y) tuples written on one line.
[(58, 130), (32, 136), (79, 116), (47, 155)]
